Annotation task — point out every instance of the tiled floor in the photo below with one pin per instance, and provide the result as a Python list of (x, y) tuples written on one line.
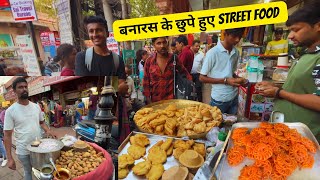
[(8, 174)]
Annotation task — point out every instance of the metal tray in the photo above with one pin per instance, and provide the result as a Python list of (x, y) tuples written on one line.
[(230, 173), (180, 103), (171, 161)]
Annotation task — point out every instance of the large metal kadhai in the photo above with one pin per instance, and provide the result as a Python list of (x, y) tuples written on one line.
[(49, 148)]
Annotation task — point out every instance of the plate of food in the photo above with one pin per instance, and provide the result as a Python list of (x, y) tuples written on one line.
[(148, 156), (178, 118), (271, 151)]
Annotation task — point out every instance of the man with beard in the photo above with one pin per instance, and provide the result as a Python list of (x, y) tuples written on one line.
[(158, 72), (103, 61), (299, 97), (25, 119)]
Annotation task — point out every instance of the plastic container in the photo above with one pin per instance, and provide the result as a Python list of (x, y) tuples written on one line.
[(280, 73), (253, 62), (283, 59), (252, 74)]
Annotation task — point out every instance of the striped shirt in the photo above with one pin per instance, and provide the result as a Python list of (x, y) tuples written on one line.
[(277, 47)]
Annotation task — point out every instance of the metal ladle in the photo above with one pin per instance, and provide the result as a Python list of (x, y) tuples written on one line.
[(51, 160)]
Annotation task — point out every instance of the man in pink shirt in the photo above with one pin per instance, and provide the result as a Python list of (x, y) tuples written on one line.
[(186, 56)]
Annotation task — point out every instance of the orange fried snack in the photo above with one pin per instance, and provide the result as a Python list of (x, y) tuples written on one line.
[(262, 152), (285, 164), (266, 125), (238, 133), (250, 173), (266, 168), (276, 149), (281, 127), (309, 144), (236, 155)]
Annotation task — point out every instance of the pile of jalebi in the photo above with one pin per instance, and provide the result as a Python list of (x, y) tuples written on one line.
[(276, 150)]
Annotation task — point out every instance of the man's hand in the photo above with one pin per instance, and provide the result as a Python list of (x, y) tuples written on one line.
[(123, 88), (11, 164), (264, 84), (236, 81), (268, 91), (51, 134)]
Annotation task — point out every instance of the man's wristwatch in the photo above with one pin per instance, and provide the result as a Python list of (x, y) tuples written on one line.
[(277, 96)]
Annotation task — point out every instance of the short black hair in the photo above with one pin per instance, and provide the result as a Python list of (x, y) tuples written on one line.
[(96, 19), (154, 39), (308, 14), (173, 44), (238, 32), (182, 39), (18, 80), (195, 41), (278, 31), (214, 38), (80, 100)]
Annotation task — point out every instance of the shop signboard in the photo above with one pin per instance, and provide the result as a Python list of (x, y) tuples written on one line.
[(72, 95), (29, 56), (112, 44), (65, 21), (58, 79), (23, 10), (128, 56), (35, 86)]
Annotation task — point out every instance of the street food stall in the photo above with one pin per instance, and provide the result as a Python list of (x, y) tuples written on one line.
[(174, 141), (69, 158)]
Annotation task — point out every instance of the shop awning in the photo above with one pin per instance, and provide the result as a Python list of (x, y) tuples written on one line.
[(58, 79)]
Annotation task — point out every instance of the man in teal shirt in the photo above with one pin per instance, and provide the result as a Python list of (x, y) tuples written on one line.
[(299, 98)]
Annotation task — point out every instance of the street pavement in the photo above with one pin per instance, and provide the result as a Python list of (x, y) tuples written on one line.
[(8, 174)]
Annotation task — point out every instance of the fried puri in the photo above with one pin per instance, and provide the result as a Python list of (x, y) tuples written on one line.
[(142, 168), (157, 155), (155, 172), (125, 160), (136, 151), (140, 140)]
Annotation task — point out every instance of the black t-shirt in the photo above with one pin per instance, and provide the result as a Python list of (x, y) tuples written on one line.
[(100, 66)]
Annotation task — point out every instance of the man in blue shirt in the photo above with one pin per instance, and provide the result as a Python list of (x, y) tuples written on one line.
[(218, 69)]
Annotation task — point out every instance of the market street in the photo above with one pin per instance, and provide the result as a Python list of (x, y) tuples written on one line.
[(8, 174)]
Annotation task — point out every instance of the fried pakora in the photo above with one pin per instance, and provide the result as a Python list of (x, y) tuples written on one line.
[(142, 168), (170, 150), (136, 151), (123, 173), (157, 155), (200, 148), (165, 146), (125, 160), (155, 172), (140, 140)]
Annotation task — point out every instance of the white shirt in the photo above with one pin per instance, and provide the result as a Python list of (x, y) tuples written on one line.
[(197, 63), (25, 121), (218, 63)]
